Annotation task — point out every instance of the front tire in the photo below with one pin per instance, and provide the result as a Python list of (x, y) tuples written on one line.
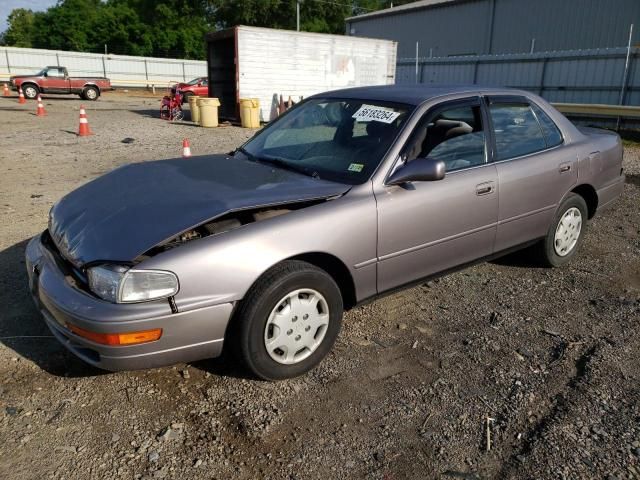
[(185, 97), (288, 321), (30, 91), (565, 233)]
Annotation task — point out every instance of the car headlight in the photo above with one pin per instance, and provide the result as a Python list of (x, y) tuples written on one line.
[(119, 284)]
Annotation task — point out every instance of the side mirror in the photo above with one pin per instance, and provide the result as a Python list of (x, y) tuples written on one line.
[(45, 74), (418, 170)]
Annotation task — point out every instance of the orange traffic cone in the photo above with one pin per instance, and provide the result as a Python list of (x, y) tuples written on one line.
[(186, 148), (83, 129), (6, 92), (21, 98), (41, 112)]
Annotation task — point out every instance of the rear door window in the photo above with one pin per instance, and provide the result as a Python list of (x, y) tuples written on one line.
[(516, 130), (551, 132)]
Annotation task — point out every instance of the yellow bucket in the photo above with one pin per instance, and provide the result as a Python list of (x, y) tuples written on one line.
[(250, 112), (193, 108), (208, 111)]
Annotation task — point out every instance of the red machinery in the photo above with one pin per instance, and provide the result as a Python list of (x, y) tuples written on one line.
[(171, 106)]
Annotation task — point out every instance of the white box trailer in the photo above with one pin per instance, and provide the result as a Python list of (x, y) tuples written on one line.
[(264, 63)]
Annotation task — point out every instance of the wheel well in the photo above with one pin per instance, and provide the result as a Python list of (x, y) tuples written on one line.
[(588, 193), (33, 84), (338, 271), (92, 86)]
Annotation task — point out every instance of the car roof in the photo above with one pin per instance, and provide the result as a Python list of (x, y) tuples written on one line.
[(413, 94)]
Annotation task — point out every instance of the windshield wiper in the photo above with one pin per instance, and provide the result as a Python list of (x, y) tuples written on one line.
[(278, 162), (281, 163), (245, 152)]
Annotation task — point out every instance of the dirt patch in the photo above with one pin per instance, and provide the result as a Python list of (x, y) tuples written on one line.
[(549, 356)]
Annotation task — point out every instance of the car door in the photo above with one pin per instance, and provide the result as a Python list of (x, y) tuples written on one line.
[(536, 168), (203, 88), (57, 81), (429, 227)]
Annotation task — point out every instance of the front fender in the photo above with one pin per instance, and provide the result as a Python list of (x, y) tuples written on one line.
[(221, 268)]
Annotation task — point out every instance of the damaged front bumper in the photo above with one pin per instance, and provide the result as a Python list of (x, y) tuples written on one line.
[(186, 336)]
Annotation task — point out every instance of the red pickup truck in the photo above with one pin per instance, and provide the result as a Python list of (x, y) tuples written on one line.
[(57, 80)]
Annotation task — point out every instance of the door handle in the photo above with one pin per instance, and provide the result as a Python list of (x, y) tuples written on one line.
[(484, 188), (565, 167)]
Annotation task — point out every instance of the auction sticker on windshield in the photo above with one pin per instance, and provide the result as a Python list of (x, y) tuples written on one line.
[(368, 113)]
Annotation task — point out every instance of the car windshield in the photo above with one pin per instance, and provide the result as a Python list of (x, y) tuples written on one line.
[(195, 81), (333, 139)]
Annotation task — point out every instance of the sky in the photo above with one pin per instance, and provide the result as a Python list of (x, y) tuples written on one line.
[(7, 5)]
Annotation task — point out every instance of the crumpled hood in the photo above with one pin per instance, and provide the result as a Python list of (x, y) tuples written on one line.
[(124, 213)]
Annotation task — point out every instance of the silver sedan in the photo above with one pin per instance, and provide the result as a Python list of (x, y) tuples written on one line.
[(348, 195)]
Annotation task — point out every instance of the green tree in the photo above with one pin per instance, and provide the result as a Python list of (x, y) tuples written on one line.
[(315, 16), (67, 25), (174, 28), (20, 30), (121, 29), (326, 16)]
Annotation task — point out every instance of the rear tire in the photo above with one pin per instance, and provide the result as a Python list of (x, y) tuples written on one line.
[(90, 93), (185, 97), (565, 234), (288, 321)]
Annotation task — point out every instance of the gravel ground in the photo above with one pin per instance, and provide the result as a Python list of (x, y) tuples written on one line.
[(543, 362)]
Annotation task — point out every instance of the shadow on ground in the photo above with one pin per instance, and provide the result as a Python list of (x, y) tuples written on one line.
[(21, 326), (525, 258), (155, 113), (226, 365)]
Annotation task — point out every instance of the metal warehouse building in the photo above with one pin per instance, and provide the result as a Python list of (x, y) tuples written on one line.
[(479, 27)]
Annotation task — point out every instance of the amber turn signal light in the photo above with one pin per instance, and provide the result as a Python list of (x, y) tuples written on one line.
[(129, 338)]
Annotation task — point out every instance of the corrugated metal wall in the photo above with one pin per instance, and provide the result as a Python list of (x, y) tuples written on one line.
[(504, 26), (122, 70), (441, 31), (582, 76)]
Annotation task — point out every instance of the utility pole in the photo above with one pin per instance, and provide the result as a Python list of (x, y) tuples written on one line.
[(417, 47), (625, 75), (297, 15)]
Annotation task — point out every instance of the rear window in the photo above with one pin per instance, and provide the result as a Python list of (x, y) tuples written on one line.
[(551, 132), (517, 131)]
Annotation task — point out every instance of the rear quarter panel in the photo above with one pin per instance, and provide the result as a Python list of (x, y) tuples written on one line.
[(600, 155)]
